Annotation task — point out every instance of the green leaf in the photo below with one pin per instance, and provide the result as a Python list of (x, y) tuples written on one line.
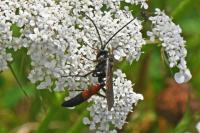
[(15, 30), (180, 7), (184, 123), (43, 127), (190, 26), (11, 97)]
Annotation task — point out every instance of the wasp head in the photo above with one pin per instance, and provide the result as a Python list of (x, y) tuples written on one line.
[(102, 55)]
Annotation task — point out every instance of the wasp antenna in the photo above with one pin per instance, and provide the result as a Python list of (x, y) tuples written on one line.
[(116, 33), (95, 28)]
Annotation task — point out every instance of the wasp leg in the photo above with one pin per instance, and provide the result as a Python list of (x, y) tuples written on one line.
[(99, 94), (96, 49), (77, 75), (76, 90), (104, 90), (88, 58)]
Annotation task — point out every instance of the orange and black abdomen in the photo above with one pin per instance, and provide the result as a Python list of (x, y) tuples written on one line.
[(83, 96)]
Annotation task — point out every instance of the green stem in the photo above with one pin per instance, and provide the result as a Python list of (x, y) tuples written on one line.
[(180, 7), (45, 123), (152, 42), (79, 123), (16, 78), (22, 64)]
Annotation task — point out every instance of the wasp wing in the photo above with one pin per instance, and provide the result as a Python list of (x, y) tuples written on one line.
[(109, 83)]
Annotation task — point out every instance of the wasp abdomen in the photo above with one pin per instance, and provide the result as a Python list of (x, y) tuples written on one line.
[(91, 91), (83, 96), (74, 101)]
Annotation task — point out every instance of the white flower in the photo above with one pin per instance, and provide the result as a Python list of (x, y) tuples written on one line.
[(124, 98), (172, 42), (182, 76), (45, 84), (48, 32), (4, 57)]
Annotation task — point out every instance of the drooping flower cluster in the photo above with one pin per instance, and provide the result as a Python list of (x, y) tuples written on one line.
[(172, 42)]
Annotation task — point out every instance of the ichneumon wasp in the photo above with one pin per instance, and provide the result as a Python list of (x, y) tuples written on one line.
[(103, 71)]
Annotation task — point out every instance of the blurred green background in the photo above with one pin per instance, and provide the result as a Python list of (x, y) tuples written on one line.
[(166, 108)]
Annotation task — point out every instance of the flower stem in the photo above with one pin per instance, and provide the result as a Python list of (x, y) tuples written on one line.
[(16, 78), (152, 42)]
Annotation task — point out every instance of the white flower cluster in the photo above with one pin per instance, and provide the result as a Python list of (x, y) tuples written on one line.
[(61, 41), (124, 99), (172, 42), (5, 35), (4, 57), (54, 33)]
